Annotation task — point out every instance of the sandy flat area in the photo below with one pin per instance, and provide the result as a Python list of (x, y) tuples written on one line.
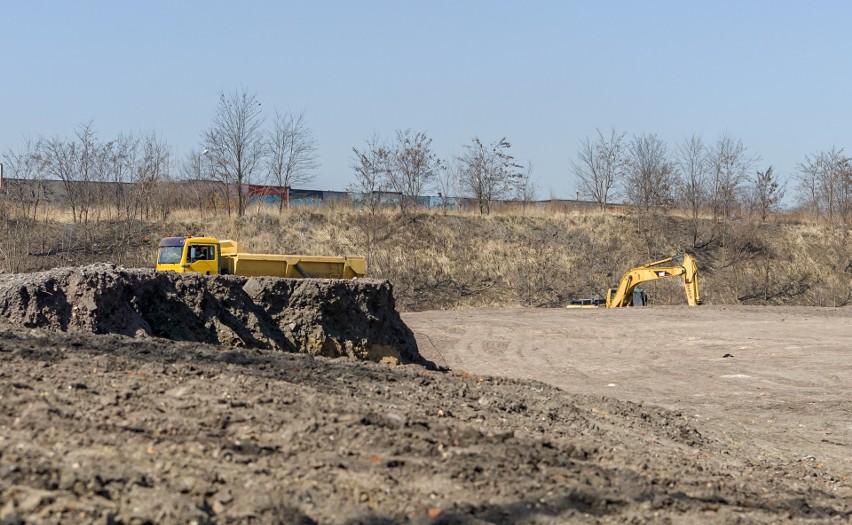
[(776, 381)]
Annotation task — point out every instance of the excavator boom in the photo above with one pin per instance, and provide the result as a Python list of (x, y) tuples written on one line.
[(679, 265)]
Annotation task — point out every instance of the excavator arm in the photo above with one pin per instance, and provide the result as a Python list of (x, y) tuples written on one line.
[(679, 265)]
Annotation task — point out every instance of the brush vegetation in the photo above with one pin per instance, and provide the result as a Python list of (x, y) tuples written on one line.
[(512, 258)]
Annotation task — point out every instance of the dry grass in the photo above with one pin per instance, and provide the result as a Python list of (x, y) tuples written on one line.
[(521, 257)]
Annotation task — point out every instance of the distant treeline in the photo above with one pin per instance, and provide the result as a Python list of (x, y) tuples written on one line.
[(246, 157), (136, 200)]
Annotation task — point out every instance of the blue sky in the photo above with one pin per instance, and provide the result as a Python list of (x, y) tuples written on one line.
[(543, 74)]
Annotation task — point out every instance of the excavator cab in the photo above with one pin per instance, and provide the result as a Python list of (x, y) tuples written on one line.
[(637, 298)]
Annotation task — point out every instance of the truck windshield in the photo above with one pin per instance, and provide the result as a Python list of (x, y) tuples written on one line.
[(170, 254)]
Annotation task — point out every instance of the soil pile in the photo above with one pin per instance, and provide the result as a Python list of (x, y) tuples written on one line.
[(328, 317), (109, 429)]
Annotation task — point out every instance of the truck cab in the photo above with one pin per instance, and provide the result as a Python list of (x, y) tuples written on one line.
[(190, 254)]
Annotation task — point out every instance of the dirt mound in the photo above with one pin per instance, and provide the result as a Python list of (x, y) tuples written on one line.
[(328, 317), (106, 429)]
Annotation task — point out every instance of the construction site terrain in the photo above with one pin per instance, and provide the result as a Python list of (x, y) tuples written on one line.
[(130, 397)]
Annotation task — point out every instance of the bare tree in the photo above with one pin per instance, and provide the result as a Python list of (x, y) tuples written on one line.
[(825, 185), (414, 166), (199, 187), (60, 164), (292, 153), (730, 165), (809, 175), (649, 175), (600, 167), (89, 169), (371, 165), (448, 184), (151, 176), (74, 163), (99, 189), (488, 172), (766, 193), (30, 191), (526, 188), (690, 161), (236, 143), (844, 194), (123, 158)]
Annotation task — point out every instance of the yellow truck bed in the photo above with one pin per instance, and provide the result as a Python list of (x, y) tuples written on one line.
[(296, 266)]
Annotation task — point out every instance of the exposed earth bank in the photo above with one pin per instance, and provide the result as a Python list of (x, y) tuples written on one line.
[(138, 429), (329, 317)]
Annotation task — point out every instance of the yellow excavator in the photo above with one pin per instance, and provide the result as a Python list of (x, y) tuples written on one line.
[(628, 294)]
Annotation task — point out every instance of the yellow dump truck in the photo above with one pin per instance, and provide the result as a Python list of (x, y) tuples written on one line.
[(211, 256)]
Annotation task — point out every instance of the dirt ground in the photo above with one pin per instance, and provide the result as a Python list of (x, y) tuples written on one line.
[(774, 383), (542, 416)]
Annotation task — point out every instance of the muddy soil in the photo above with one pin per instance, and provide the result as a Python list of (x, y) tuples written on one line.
[(139, 429)]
